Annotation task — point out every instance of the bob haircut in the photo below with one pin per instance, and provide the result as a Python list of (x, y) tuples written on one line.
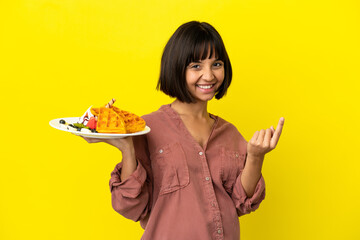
[(191, 42)]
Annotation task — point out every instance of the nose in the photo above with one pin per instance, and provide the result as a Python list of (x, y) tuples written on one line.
[(208, 74)]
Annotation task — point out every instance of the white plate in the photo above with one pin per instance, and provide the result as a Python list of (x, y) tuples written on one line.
[(56, 124)]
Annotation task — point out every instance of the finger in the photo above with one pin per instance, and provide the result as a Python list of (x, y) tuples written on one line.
[(272, 130), (254, 137), (277, 133), (280, 125), (261, 136), (86, 139), (267, 137), (91, 140)]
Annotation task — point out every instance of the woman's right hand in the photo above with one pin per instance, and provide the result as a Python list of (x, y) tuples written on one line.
[(126, 146)]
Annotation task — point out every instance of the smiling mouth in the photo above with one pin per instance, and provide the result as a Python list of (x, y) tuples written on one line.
[(206, 86)]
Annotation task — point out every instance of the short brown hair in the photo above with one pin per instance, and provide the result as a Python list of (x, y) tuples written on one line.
[(191, 42)]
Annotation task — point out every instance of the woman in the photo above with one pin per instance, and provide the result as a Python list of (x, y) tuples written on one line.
[(194, 174)]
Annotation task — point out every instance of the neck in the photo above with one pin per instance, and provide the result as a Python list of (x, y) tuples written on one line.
[(195, 110)]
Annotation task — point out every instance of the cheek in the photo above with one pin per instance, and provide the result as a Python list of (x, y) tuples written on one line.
[(190, 78), (220, 76)]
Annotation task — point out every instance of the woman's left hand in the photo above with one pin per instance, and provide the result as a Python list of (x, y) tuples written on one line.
[(264, 141)]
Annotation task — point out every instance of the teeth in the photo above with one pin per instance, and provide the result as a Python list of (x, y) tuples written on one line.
[(205, 87)]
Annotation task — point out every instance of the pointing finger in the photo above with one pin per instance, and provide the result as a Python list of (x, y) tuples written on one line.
[(277, 133), (280, 125)]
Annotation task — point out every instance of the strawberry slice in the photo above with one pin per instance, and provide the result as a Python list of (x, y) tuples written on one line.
[(91, 123)]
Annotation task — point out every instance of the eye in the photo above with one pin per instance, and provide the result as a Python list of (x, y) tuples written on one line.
[(195, 66), (218, 64)]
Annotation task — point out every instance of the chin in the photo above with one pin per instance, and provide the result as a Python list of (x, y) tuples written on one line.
[(204, 99)]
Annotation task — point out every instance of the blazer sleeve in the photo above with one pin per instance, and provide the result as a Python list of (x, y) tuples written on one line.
[(132, 197)]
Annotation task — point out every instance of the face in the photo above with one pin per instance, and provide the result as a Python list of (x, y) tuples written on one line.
[(204, 77)]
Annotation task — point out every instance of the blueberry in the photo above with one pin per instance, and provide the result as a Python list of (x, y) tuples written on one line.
[(62, 121)]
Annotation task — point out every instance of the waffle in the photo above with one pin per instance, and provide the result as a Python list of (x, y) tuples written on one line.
[(95, 111), (109, 121), (132, 122)]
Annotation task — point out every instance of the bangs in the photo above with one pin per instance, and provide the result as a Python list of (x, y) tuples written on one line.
[(206, 46)]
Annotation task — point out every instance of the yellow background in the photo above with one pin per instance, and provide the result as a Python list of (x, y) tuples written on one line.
[(296, 59)]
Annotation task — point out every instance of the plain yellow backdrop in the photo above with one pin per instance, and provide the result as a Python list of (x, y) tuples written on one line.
[(293, 59)]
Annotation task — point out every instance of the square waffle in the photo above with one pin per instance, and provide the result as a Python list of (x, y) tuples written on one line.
[(109, 121), (133, 123)]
